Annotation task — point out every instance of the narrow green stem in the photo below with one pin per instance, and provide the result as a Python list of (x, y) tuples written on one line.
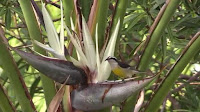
[(5, 104), (101, 18), (35, 34), (66, 100), (69, 11), (119, 13), (85, 8), (190, 51)]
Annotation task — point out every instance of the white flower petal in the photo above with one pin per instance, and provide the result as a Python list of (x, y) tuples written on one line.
[(89, 46), (76, 44), (105, 67), (51, 31), (62, 30), (72, 24), (49, 49), (97, 51), (76, 63)]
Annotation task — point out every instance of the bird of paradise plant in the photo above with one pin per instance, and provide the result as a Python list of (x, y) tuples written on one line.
[(89, 70)]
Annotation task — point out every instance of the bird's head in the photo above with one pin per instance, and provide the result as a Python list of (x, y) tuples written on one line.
[(111, 58), (112, 61)]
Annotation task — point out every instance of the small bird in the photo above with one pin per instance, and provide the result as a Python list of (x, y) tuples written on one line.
[(121, 69)]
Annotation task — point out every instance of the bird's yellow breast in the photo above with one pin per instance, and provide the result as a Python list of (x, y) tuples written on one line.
[(119, 72)]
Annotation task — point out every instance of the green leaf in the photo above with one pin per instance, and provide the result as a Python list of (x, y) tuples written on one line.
[(5, 103), (34, 86), (2, 11), (8, 64), (135, 21), (35, 34), (8, 19), (18, 11), (85, 8), (187, 55)]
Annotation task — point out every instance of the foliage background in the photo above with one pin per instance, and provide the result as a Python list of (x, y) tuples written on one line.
[(139, 16)]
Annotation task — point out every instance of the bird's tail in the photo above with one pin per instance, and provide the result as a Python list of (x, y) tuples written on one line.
[(138, 72)]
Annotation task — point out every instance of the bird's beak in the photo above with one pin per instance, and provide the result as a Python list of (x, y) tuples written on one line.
[(106, 59)]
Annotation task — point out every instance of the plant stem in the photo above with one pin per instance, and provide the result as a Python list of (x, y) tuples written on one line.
[(120, 10), (85, 8), (98, 14), (69, 11)]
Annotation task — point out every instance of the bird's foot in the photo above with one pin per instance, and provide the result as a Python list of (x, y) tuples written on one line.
[(123, 80)]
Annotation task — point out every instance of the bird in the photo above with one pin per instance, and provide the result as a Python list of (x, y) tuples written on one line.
[(121, 69)]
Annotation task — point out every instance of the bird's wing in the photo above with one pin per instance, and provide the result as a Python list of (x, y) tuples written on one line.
[(123, 65), (134, 71)]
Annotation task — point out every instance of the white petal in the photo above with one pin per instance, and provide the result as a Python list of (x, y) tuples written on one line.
[(51, 31), (97, 51), (76, 44), (49, 49), (62, 30), (76, 63), (105, 67), (89, 46), (72, 24)]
